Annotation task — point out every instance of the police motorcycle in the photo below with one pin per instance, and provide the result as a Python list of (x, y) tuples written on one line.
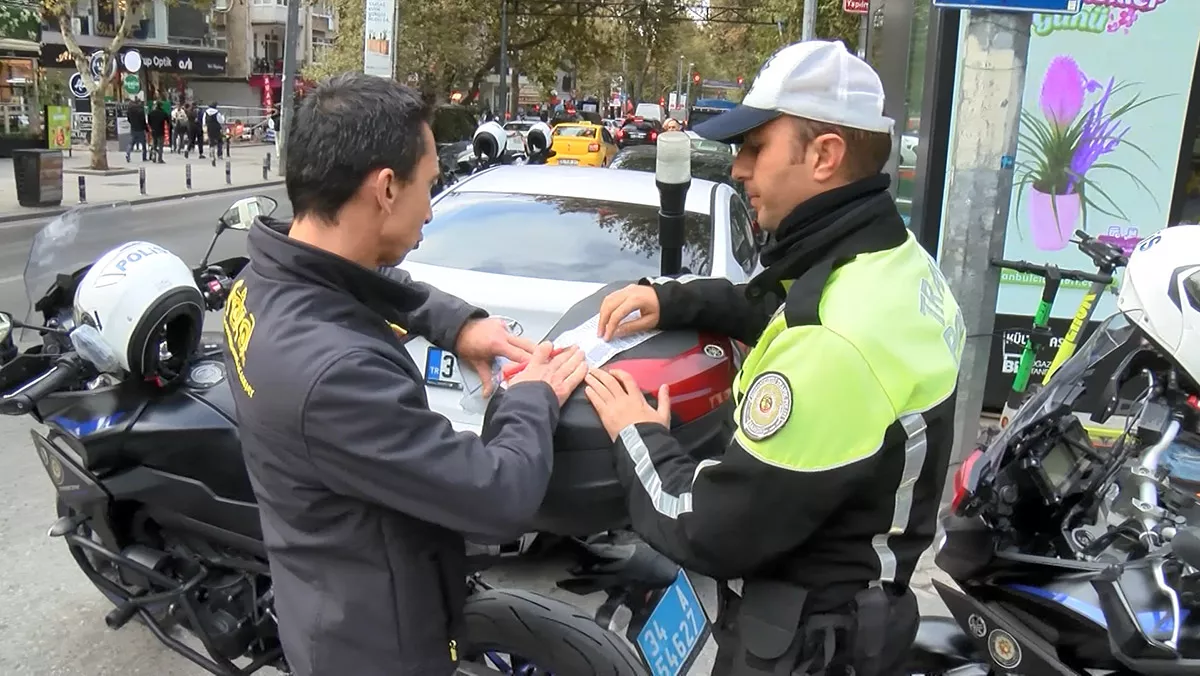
[(492, 146), (137, 434), (1074, 558)]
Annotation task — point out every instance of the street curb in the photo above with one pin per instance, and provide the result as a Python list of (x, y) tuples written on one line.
[(55, 211)]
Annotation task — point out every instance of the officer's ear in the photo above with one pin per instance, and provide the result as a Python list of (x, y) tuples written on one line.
[(827, 152)]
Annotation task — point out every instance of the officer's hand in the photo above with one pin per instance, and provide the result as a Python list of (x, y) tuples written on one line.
[(620, 304), (562, 373), (620, 402)]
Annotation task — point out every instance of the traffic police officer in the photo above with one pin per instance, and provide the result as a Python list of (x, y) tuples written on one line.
[(828, 491)]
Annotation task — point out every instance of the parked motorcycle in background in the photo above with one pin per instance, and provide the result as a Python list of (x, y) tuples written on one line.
[(492, 146)]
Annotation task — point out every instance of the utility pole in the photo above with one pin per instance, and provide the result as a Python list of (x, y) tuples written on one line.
[(808, 29), (288, 95), (979, 186), (687, 96), (863, 31), (679, 83), (503, 59)]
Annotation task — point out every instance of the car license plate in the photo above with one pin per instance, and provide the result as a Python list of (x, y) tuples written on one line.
[(441, 369), (676, 630), (572, 162)]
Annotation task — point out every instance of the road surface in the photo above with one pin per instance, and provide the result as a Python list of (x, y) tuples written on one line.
[(51, 618)]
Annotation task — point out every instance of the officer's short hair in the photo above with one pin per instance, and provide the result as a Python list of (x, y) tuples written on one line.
[(867, 152), (351, 125)]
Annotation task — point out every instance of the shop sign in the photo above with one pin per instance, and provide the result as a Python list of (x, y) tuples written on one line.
[(1026, 6), (856, 6), (78, 88), (1095, 79), (132, 84), (58, 125), (162, 60)]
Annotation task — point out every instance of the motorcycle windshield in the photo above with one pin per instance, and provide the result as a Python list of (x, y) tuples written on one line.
[(1067, 384), (69, 243)]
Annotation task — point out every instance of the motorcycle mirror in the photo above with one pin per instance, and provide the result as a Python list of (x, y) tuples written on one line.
[(1111, 398), (5, 326), (241, 214)]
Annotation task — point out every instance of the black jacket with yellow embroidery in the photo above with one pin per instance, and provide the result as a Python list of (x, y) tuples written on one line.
[(364, 492), (844, 409)]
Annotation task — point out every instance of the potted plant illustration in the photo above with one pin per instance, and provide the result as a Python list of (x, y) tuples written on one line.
[(1060, 147)]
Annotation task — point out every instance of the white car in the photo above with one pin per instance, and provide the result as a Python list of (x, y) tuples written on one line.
[(528, 242)]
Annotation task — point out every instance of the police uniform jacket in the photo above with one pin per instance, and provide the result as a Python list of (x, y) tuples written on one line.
[(844, 409)]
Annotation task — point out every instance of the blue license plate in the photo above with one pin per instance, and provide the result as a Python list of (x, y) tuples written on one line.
[(676, 630), (441, 369)]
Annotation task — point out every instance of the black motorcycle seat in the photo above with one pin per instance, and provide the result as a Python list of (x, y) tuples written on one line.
[(941, 645)]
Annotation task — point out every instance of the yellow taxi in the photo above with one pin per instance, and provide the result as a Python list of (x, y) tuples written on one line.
[(582, 144)]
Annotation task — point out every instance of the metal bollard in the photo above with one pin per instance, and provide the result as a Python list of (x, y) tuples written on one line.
[(82, 191), (228, 173), (187, 169), (142, 180), (266, 166)]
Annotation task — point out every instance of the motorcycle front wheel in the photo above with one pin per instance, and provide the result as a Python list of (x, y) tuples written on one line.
[(520, 632)]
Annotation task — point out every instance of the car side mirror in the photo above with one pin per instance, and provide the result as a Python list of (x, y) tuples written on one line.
[(241, 214)]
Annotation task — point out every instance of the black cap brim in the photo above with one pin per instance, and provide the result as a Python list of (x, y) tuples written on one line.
[(731, 126)]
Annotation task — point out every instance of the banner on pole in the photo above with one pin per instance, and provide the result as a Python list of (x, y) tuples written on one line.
[(379, 38)]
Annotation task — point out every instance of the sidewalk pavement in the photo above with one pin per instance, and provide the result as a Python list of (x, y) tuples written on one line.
[(163, 181)]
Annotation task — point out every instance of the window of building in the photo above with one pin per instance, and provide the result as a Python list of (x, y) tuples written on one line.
[(16, 94), (320, 47)]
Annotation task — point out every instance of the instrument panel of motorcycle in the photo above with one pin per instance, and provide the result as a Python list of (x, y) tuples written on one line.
[(206, 374)]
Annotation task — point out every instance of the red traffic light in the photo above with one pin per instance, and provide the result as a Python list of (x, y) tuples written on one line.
[(739, 80), (696, 78), (662, 101)]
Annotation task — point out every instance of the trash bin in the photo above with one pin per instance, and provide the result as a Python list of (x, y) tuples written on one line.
[(39, 175)]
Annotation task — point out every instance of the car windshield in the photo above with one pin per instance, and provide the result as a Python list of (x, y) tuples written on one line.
[(1068, 383), (638, 126), (710, 166), (705, 145), (561, 238), (71, 242), (576, 132)]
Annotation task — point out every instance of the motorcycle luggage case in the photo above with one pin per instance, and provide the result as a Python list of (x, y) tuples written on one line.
[(584, 496)]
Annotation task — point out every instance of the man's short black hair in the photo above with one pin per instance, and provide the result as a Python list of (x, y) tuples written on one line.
[(351, 125)]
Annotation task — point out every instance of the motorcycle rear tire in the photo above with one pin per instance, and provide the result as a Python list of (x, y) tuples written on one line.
[(558, 637)]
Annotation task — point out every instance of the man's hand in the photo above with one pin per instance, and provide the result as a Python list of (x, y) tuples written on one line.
[(562, 373), (480, 341), (620, 304), (620, 402)]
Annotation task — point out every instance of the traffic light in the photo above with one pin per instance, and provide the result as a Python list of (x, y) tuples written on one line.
[(696, 78), (740, 80), (662, 101)]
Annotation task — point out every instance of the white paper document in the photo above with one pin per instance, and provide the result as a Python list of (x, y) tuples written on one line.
[(596, 351)]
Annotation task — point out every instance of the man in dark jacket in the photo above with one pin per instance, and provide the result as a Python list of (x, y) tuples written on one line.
[(137, 130), (364, 493), (157, 119), (828, 491)]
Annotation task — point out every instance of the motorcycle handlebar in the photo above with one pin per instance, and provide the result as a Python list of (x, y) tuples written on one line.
[(1104, 256), (22, 401)]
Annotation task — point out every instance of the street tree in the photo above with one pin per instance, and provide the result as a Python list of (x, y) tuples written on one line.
[(346, 53), (61, 12)]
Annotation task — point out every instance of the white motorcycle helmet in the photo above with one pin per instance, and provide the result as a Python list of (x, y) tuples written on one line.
[(145, 303), (1160, 292), (539, 137), (490, 140)]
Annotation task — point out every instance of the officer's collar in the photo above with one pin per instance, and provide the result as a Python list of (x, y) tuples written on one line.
[(856, 218), (275, 255)]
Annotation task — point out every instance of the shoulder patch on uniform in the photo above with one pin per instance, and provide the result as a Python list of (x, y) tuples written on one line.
[(767, 405)]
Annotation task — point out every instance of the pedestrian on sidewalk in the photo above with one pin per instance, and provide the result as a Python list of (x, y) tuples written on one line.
[(214, 123), (158, 121), (179, 131), (195, 130), (137, 128)]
